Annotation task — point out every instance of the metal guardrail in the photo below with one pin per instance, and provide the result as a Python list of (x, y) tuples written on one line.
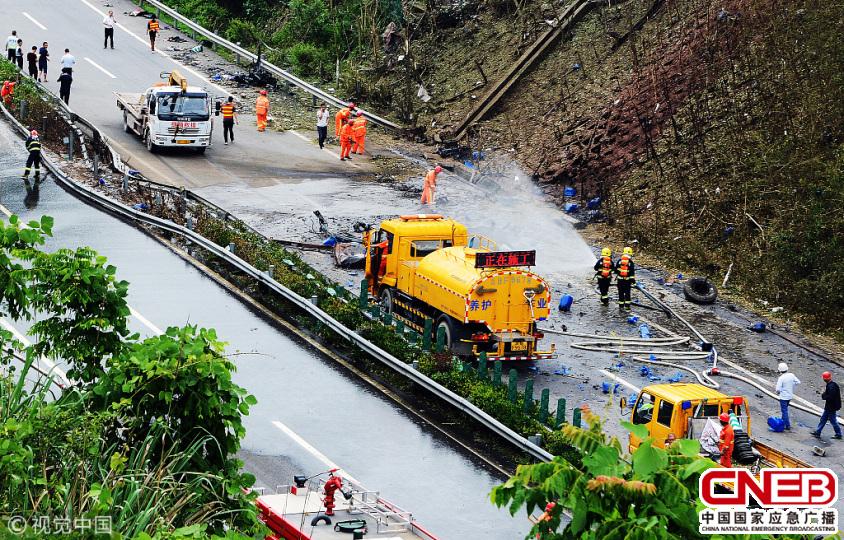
[(275, 70), (305, 305)]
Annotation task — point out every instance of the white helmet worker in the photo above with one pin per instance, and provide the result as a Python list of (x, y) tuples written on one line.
[(782, 367)]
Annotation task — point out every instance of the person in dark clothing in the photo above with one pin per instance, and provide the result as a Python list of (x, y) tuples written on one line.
[(625, 269), (832, 396), (32, 62), (43, 58), (604, 269), (65, 80), (33, 146), (19, 54)]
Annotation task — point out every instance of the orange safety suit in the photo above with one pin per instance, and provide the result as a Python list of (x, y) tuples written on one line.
[(7, 92), (429, 187), (726, 445), (345, 140), (339, 118), (359, 135), (262, 109)]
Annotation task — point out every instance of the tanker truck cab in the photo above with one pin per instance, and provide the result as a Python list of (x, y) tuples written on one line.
[(422, 268)]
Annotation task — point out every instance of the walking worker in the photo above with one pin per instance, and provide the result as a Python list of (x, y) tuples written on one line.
[(7, 92), (32, 62), (11, 46), (229, 112), (785, 391), (430, 185), (43, 58), (68, 61), (65, 80), (108, 24), (727, 441), (152, 29), (604, 269), (322, 124), (625, 270), (262, 109), (346, 140), (342, 114), (19, 54), (33, 146), (359, 133), (832, 396)]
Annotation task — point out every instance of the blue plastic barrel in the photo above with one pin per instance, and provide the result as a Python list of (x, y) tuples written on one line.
[(565, 302), (776, 424), (570, 191), (571, 207), (605, 387)]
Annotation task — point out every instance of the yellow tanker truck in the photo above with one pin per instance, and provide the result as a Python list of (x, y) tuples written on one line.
[(423, 267)]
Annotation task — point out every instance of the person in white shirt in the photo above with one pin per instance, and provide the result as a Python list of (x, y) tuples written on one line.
[(68, 61), (785, 391), (109, 23), (12, 46), (322, 124)]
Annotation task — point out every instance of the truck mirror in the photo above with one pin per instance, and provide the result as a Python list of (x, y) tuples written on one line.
[(217, 107)]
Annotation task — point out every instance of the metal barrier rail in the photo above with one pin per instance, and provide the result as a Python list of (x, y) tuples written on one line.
[(305, 305), (275, 70)]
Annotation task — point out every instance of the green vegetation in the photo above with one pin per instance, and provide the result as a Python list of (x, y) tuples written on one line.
[(145, 435)]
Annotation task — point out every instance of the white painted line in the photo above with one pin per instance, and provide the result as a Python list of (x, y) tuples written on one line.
[(165, 55), (5, 211), (143, 320), (313, 451), (51, 366), (618, 379), (293, 131), (101, 68), (334, 154), (38, 24)]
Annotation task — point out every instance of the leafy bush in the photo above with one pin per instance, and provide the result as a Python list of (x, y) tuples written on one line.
[(306, 59), (242, 32)]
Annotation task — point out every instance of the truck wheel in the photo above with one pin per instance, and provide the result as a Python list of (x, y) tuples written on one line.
[(386, 300), (444, 322), (126, 123), (150, 145)]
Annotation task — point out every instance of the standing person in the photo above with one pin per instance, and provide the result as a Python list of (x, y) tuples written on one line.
[(33, 146), (342, 114), (346, 140), (785, 391), (108, 24), (262, 109), (322, 124), (43, 58), (152, 30), (11, 46), (19, 54), (727, 441), (429, 187), (68, 61), (229, 113), (32, 62), (359, 133), (625, 270), (603, 272), (832, 396), (65, 80)]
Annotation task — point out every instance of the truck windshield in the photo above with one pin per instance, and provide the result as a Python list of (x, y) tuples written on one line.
[(182, 107)]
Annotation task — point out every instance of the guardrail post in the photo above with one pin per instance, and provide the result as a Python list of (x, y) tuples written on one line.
[(496, 373), (231, 246), (399, 328), (96, 165), (440, 339), (126, 187), (271, 270), (560, 419), (543, 405), (363, 299), (387, 318), (426, 336), (482, 371), (24, 111), (528, 395), (70, 145), (512, 381), (43, 127), (575, 418)]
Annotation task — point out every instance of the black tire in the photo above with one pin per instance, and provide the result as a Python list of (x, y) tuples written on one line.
[(386, 300), (126, 123), (150, 145), (445, 322), (700, 291)]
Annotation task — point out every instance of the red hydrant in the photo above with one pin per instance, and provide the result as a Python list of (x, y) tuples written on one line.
[(331, 485)]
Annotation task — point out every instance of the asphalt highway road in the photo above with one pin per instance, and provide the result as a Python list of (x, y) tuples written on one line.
[(257, 159)]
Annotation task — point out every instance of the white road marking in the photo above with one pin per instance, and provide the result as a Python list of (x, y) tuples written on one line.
[(618, 379), (336, 155), (165, 55), (38, 24), (5, 211), (143, 320), (313, 451), (101, 68), (52, 367)]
